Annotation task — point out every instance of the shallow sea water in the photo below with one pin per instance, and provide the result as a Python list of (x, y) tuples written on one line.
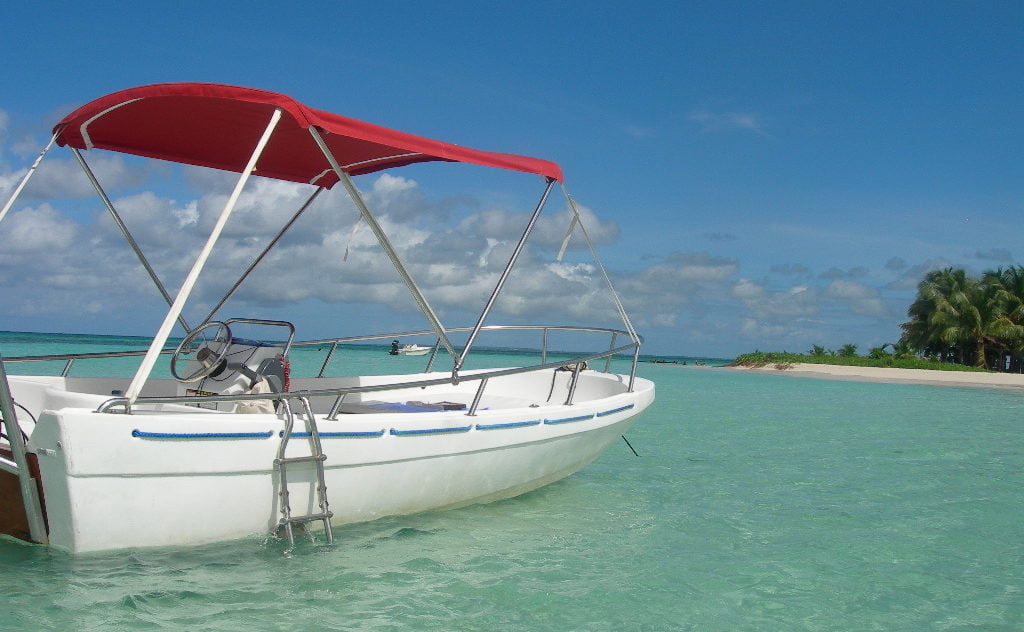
[(757, 503)]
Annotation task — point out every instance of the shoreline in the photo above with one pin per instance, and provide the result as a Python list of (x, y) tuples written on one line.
[(891, 376)]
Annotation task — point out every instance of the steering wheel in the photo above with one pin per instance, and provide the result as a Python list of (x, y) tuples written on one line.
[(210, 362)]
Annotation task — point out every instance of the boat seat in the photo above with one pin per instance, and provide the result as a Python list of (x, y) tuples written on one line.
[(273, 369)]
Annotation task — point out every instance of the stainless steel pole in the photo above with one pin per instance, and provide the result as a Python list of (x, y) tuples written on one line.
[(259, 258), (504, 275), (127, 234), (385, 243), (24, 181)]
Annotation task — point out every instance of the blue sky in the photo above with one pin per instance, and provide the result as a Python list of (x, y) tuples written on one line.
[(761, 175)]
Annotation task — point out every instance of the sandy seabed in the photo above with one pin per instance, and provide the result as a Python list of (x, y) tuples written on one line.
[(893, 376)]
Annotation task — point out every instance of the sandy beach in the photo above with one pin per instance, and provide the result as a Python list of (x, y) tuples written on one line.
[(893, 376)]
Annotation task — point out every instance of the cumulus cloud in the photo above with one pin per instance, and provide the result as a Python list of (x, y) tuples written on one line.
[(859, 298), (896, 264), (51, 262), (33, 230), (456, 266), (1000, 255), (796, 301), (910, 276), (753, 329), (549, 231), (63, 178), (701, 266), (402, 200), (455, 247), (658, 292)]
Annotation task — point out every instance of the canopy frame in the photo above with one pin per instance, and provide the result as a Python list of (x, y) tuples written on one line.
[(146, 367), (318, 125)]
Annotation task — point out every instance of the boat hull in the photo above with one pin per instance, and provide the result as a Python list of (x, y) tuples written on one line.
[(119, 481)]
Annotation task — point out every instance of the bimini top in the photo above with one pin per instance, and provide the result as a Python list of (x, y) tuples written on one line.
[(218, 126)]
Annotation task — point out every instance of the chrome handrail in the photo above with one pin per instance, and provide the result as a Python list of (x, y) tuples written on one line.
[(71, 357), (427, 332), (338, 341), (482, 375), (334, 392)]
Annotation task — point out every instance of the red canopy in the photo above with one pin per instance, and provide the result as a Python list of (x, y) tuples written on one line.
[(218, 126)]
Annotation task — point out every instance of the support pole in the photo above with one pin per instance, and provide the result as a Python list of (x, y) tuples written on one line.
[(259, 258), (186, 287), (24, 181), (504, 275), (126, 233), (385, 243), (578, 219)]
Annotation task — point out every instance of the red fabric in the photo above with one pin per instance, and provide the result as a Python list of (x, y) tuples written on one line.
[(218, 126)]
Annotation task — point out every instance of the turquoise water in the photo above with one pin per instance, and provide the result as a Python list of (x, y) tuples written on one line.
[(757, 503)]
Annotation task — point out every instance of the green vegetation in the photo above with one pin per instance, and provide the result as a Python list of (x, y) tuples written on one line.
[(784, 358), (957, 323), (957, 318)]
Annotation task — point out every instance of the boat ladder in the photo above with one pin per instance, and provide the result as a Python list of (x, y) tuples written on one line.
[(317, 458), (19, 463)]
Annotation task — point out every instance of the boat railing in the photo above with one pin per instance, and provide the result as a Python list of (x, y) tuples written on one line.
[(333, 343), (575, 364)]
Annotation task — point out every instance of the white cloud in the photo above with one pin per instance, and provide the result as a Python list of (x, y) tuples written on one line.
[(34, 230), (910, 276), (63, 178), (798, 300), (859, 298), (757, 330), (401, 200), (657, 294), (549, 231), (999, 255), (455, 259)]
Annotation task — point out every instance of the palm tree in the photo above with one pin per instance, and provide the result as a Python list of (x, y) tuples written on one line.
[(968, 317), (879, 353), (955, 316), (1008, 294), (921, 332), (900, 349)]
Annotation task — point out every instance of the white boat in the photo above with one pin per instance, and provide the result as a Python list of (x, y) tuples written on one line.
[(235, 444), (413, 350)]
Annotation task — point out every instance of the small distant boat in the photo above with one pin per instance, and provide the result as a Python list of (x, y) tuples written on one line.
[(237, 442), (410, 349), (413, 350)]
